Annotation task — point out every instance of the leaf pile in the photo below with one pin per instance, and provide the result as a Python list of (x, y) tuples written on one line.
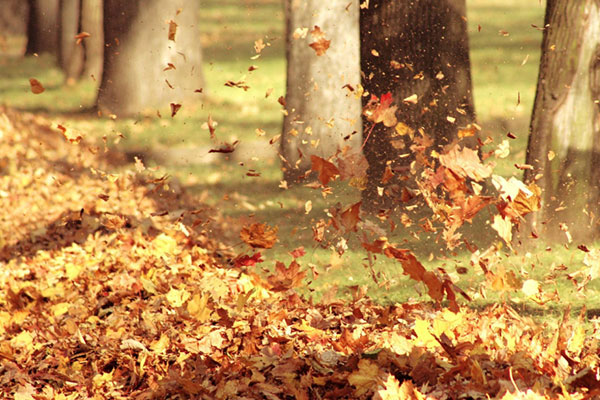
[(111, 287)]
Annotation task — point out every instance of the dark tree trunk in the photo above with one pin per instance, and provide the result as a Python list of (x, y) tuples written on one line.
[(323, 108), (70, 54), (564, 140), (411, 48), (138, 50), (13, 18), (42, 27)]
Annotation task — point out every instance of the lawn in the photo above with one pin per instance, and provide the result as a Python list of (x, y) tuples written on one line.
[(505, 48)]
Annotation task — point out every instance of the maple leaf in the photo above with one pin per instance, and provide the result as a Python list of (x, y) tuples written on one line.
[(286, 278), (382, 110), (259, 235), (298, 252), (36, 86), (352, 164), (320, 44), (327, 170), (366, 378), (347, 218), (465, 163)]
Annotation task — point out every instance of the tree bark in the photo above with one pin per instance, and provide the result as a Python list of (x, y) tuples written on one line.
[(70, 54), (409, 48), (92, 23), (323, 107), (137, 53), (42, 27), (564, 140)]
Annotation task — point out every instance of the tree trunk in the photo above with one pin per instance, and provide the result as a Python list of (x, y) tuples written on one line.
[(42, 27), (138, 51), (323, 108), (13, 18), (91, 22), (564, 140), (70, 54), (412, 48)]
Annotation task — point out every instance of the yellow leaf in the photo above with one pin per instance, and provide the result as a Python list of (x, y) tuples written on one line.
[(365, 378), (164, 245), (531, 288), (60, 309), (424, 337), (198, 307), (503, 226), (100, 379), (177, 297), (576, 341), (23, 339), (161, 345), (403, 129), (73, 270)]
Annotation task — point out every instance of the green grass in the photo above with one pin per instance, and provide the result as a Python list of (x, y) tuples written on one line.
[(504, 70)]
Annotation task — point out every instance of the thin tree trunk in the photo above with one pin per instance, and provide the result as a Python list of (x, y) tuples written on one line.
[(136, 74), (42, 27), (323, 108), (413, 48), (564, 140)]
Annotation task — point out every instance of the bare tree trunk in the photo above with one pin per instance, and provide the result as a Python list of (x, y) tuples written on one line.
[(91, 22), (138, 51), (70, 54), (323, 108), (416, 50), (564, 140), (42, 27)]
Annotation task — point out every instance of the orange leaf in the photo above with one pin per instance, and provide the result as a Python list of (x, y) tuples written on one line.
[(259, 235), (326, 169), (320, 45)]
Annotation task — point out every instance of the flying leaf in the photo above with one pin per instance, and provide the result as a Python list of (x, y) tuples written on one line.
[(503, 226), (320, 44), (226, 148), (327, 170), (247, 261), (36, 86), (259, 235), (174, 108), (465, 163), (81, 36), (172, 30), (286, 278)]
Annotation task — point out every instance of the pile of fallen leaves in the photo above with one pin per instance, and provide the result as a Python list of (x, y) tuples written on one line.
[(111, 287)]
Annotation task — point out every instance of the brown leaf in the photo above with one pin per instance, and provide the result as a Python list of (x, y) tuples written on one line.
[(172, 30), (346, 219), (36, 86), (226, 148), (259, 235), (286, 278), (327, 170), (321, 44), (174, 108)]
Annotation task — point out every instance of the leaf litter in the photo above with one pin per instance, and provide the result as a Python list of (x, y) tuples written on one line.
[(114, 285)]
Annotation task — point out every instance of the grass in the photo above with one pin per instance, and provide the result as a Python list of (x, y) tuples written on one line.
[(504, 53)]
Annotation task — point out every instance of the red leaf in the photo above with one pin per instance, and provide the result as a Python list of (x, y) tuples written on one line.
[(298, 252), (174, 108), (247, 261)]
